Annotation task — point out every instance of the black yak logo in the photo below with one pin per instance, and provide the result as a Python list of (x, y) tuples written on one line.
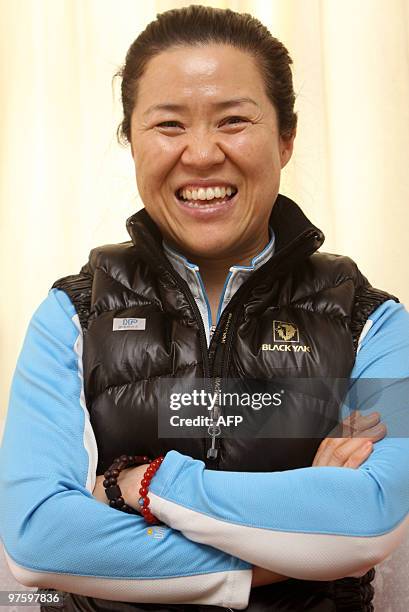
[(285, 332)]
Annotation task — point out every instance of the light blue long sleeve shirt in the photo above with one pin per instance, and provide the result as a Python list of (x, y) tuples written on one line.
[(316, 523)]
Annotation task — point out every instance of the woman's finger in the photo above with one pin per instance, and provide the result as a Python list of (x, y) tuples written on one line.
[(353, 424), (325, 450), (344, 451), (336, 451), (359, 456), (356, 423), (375, 433)]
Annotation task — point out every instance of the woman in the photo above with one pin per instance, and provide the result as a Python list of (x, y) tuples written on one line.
[(220, 277)]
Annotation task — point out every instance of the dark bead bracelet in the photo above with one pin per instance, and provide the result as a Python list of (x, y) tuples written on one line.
[(112, 490)]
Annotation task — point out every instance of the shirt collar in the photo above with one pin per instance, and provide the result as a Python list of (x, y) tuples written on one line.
[(182, 265), (237, 275)]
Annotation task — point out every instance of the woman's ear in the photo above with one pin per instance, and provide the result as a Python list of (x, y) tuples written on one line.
[(286, 147)]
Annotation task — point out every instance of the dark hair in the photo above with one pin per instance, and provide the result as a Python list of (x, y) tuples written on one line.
[(198, 25)]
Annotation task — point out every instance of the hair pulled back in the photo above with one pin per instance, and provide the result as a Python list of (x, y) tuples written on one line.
[(198, 25)]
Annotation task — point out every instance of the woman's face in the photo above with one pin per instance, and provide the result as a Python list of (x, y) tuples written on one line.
[(202, 119)]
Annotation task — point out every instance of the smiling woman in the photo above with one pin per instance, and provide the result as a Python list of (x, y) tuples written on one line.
[(187, 139), (222, 280), (198, 142)]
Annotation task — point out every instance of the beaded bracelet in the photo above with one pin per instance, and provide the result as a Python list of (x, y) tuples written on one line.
[(144, 500), (112, 490)]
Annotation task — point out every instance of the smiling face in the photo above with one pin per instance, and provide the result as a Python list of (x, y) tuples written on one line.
[(205, 139)]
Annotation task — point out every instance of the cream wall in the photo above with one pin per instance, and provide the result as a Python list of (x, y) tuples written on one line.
[(66, 186)]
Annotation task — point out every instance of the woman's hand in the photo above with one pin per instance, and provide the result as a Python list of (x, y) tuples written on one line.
[(348, 452), (356, 444)]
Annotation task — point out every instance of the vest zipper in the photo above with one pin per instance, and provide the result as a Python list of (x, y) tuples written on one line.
[(219, 353), (214, 430)]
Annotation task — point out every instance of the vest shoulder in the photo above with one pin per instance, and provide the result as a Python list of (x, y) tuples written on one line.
[(98, 256), (111, 254), (336, 280), (78, 286), (335, 268), (339, 269)]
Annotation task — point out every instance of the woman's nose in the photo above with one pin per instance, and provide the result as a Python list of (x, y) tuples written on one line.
[(202, 150)]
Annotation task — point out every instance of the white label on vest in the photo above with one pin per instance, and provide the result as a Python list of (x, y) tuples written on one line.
[(124, 324)]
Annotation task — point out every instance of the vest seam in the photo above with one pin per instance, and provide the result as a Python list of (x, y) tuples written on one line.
[(149, 378), (314, 312), (147, 300), (343, 281)]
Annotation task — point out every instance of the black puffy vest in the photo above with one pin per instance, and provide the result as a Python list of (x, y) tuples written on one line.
[(323, 296)]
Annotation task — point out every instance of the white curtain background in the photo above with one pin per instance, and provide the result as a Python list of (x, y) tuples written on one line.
[(67, 186)]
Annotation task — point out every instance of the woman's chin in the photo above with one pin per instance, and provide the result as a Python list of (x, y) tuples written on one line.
[(204, 246)]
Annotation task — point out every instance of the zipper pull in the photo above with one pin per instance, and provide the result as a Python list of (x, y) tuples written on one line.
[(212, 452), (212, 329)]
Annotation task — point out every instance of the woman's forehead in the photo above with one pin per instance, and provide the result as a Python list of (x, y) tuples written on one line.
[(202, 59), (216, 73)]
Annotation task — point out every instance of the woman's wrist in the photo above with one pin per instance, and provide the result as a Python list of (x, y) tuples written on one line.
[(127, 488), (99, 491), (130, 482)]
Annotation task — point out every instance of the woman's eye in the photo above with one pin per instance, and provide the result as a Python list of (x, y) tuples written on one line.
[(236, 120), (166, 124)]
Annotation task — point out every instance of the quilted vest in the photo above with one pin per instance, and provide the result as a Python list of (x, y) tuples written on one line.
[(324, 297)]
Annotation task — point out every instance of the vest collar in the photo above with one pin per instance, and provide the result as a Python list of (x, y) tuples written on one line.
[(235, 278)]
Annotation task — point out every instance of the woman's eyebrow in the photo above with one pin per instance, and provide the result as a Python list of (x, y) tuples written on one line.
[(219, 105)]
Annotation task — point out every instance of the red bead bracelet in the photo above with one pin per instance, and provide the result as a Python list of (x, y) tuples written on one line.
[(144, 500)]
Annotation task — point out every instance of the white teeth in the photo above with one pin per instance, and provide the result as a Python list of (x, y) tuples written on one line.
[(206, 194), (213, 204)]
